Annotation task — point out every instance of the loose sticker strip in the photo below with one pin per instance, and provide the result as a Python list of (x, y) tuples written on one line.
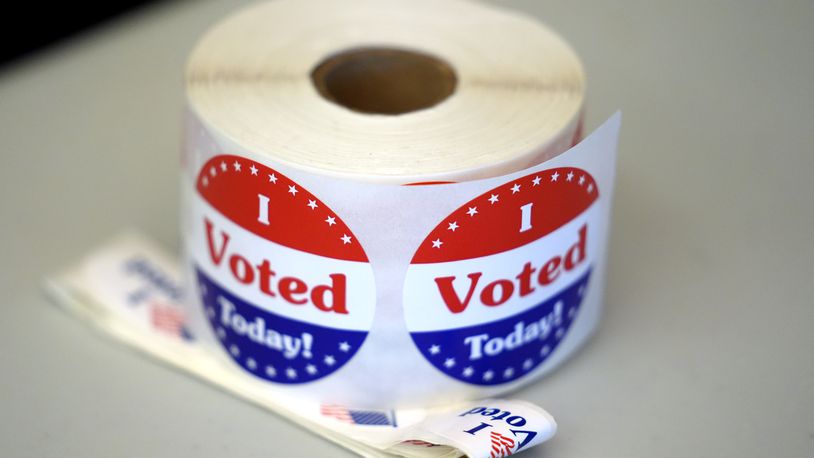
[(286, 287), (494, 288)]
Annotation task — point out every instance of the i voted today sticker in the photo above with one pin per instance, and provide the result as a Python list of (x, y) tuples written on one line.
[(285, 286), (493, 290)]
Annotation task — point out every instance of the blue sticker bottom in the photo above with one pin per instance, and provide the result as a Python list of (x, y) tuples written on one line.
[(270, 346), (504, 350)]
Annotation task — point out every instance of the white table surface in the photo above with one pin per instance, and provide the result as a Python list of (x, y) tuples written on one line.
[(706, 348)]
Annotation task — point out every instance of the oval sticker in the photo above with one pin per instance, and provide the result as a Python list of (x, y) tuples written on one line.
[(286, 287), (493, 289)]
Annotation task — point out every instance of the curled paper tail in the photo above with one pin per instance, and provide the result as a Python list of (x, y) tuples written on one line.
[(130, 289)]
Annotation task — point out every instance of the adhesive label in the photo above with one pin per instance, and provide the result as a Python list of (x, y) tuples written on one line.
[(493, 289), (286, 288)]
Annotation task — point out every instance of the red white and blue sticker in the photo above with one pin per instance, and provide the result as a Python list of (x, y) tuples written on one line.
[(494, 288), (285, 286)]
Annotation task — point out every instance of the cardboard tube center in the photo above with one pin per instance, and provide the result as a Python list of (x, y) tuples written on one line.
[(384, 80)]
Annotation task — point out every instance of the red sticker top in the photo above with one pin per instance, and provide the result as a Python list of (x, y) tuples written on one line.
[(270, 205), (510, 216)]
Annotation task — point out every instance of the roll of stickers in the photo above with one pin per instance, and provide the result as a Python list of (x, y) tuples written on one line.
[(386, 222), (313, 268)]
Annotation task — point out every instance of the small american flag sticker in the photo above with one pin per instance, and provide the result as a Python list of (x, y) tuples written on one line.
[(502, 446), (359, 417), (167, 319)]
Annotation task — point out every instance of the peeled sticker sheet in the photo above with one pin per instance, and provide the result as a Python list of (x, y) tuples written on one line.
[(130, 289)]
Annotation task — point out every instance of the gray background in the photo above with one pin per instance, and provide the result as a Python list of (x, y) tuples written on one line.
[(706, 346)]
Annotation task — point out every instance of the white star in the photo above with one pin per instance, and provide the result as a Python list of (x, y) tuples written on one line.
[(312, 203), (345, 239), (251, 364), (329, 360), (560, 332), (272, 178), (331, 221), (472, 211), (291, 373), (344, 347), (205, 180), (435, 349), (590, 187), (437, 243), (515, 188), (311, 369), (554, 176), (570, 176), (493, 198), (449, 363), (545, 350), (213, 171), (253, 169), (271, 371), (468, 371), (221, 333), (223, 166), (211, 312), (527, 364), (236, 165), (488, 375), (234, 350), (292, 190), (581, 180), (571, 312), (452, 226), (508, 372), (581, 290), (536, 180)]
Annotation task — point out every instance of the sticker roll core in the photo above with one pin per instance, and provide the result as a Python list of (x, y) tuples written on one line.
[(517, 100), (314, 270)]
